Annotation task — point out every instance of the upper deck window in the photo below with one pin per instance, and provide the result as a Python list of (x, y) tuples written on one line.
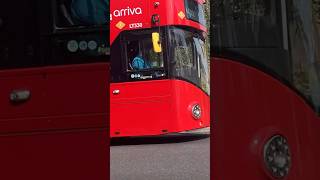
[(249, 24), (254, 30), (195, 11), (82, 12)]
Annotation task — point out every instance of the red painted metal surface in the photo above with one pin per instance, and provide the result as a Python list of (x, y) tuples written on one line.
[(60, 132), (249, 107), (137, 15), (54, 155), (155, 107)]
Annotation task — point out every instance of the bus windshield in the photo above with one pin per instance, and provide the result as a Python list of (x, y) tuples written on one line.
[(140, 54), (188, 57), (82, 12)]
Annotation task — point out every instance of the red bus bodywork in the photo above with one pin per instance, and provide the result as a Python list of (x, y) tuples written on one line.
[(61, 131), (53, 118), (142, 11), (251, 106), (153, 107)]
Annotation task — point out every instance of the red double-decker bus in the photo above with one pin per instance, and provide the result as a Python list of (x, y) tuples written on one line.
[(53, 89), (266, 89), (159, 71)]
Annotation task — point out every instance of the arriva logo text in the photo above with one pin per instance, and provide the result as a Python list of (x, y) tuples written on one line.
[(126, 12)]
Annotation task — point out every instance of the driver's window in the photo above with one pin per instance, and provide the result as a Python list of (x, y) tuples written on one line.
[(135, 57), (155, 60), (140, 55)]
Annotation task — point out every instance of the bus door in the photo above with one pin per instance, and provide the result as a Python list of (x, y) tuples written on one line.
[(22, 90)]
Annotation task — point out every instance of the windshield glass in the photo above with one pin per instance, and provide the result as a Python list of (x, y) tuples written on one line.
[(188, 57), (82, 12), (135, 59), (140, 55)]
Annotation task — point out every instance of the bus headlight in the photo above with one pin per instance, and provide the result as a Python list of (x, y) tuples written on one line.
[(277, 156), (196, 111)]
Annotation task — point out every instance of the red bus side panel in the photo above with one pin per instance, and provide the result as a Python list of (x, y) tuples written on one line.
[(65, 155), (60, 132), (249, 108)]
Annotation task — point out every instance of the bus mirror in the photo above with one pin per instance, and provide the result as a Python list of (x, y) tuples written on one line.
[(156, 42)]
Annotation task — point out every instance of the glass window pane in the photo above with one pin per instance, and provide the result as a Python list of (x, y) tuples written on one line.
[(195, 11), (304, 36), (141, 56), (188, 57), (247, 23), (255, 31), (82, 12)]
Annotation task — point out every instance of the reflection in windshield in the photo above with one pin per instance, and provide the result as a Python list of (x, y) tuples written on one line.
[(83, 12), (189, 57)]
